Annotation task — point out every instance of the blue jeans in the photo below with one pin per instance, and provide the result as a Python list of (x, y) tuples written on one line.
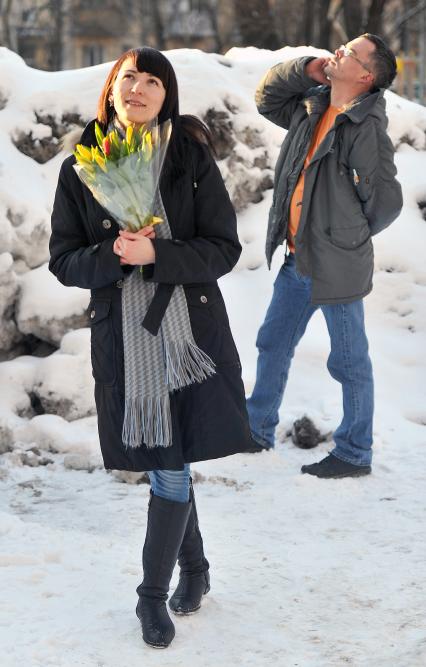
[(349, 363), (171, 484)]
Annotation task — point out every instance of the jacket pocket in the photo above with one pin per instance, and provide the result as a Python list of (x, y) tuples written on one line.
[(363, 185), (204, 296), (102, 342), (350, 238)]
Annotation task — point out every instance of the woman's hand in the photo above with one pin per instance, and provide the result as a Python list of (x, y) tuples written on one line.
[(135, 248)]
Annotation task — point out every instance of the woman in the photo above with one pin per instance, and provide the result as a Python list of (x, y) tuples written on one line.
[(197, 244)]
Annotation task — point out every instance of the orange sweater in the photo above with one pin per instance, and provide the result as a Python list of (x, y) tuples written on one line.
[(325, 123)]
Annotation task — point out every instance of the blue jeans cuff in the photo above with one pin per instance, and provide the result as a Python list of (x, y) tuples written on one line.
[(337, 454), (261, 441)]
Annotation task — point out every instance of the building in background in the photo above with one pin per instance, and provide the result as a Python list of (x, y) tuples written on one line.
[(68, 34)]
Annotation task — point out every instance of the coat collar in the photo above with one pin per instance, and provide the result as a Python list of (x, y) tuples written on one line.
[(367, 104)]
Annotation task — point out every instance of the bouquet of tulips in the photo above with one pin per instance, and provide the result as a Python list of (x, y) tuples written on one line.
[(123, 173)]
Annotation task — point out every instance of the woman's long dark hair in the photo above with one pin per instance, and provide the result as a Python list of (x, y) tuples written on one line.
[(154, 62)]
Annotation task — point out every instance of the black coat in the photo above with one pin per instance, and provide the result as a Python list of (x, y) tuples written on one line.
[(209, 419)]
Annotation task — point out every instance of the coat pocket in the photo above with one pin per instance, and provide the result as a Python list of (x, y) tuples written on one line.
[(363, 185), (350, 238), (210, 324), (102, 342)]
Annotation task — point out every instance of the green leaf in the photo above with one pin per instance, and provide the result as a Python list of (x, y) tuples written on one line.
[(99, 135)]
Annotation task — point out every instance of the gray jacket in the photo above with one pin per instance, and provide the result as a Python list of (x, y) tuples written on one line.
[(350, 193)]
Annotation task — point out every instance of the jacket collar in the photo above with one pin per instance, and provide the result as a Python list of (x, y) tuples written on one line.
[(365, 105)]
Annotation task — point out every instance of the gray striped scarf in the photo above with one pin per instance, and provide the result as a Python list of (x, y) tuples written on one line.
[(154, 366)]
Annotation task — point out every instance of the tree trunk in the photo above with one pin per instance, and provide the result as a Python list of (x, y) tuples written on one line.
[(255, 23), (210, 10), (324, 24), (352, 12), (375, 17), (57, 13), (281, 21), (5, 19), (307, 23), (158, 23)]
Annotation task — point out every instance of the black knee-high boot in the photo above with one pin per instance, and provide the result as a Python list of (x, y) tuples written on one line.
[(194, 579), (166, 525)]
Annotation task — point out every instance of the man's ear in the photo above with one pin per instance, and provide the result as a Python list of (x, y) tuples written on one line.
[(368, 79)]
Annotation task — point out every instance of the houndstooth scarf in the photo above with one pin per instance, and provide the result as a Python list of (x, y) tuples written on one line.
[(156, 365)]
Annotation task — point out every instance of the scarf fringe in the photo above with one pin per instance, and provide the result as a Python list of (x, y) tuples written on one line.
[(186, 363), (147, 420)]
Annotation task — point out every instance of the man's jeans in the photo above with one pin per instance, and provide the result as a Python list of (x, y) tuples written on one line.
[(286, 319)]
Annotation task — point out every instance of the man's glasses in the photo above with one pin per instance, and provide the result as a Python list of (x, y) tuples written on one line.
[(346, 51)]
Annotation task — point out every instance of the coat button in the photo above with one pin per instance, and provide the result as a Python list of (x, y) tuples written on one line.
[(119, 283), (92, 314), (203, 299), (106, 224)]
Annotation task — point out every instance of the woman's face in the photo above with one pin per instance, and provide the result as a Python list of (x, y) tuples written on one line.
[(137, 96)]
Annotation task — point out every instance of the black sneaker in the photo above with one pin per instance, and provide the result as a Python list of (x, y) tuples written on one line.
[(333, 468)]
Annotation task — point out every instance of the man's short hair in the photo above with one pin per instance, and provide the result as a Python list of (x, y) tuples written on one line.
[(383, 61)]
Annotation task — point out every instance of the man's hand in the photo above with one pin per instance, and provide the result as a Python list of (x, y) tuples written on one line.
[(135, 248), (315, 70)]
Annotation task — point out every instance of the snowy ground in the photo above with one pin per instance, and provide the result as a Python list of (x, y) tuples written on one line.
[(305, 572)]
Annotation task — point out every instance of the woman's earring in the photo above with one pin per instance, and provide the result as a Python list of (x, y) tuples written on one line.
[(111, 101)]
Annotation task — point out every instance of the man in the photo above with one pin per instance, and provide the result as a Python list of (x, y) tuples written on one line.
[(335, 187)]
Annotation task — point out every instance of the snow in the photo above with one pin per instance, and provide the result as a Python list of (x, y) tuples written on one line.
[(44, 303), (62, 301), (305, 572)]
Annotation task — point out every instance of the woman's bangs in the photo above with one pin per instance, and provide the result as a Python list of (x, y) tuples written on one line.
[(153, 62)]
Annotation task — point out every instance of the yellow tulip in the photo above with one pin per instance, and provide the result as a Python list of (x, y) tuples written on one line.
[(147, 147), (81, 161), (129, 134), (84, 151), (101, 162)]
